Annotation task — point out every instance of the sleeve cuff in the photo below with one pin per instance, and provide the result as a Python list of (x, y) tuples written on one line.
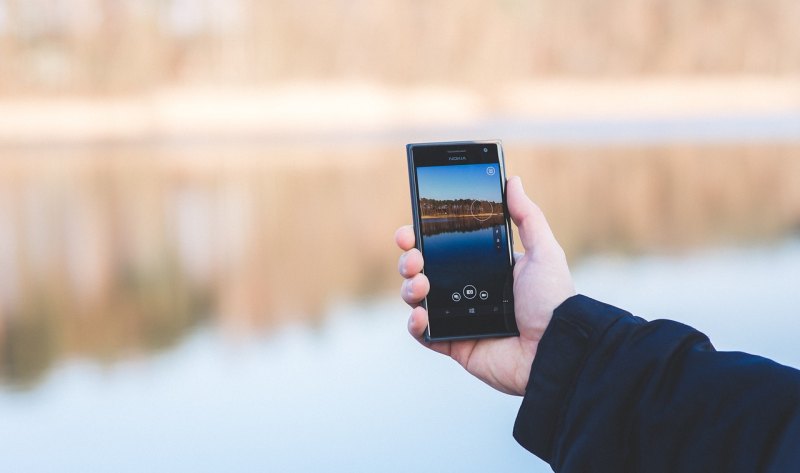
[(575, 327)]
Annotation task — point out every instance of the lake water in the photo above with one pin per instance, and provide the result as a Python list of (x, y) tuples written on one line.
[(354, 392), (207, 307), (451, 259)]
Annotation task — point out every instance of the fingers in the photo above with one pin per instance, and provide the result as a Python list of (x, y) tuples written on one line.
[(404, 237), (417, 324), (416, 285), (414, 290), (526, 215), (410, 263)]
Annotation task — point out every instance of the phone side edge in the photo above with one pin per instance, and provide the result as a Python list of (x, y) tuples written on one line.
[(416, 224), (509, 233)]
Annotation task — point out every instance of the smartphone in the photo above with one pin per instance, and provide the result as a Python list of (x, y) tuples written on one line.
[(462, 228)]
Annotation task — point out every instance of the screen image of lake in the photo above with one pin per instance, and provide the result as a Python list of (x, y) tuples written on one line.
[(461, 252)]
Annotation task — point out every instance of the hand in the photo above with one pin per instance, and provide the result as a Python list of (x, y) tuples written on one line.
[(541, 283)]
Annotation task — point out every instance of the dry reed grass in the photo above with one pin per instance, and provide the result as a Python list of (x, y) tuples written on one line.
[(102, 46)]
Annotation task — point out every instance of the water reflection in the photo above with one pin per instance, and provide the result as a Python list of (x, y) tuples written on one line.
[(111, 251), (450, 262)]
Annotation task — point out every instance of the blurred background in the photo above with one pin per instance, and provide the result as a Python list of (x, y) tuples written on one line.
[(198, 197)]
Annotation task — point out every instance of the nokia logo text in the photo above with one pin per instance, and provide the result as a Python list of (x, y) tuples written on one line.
[(457, 158)]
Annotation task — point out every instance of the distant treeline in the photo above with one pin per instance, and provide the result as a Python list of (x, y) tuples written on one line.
[(435, 226), (455, 208)]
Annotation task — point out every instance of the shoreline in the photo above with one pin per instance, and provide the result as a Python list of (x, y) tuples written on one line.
[(308, 113), (427, 217)]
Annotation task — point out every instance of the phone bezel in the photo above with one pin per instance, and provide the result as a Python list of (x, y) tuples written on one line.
[(472, 326)]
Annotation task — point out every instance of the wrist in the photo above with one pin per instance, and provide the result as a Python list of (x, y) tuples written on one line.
[(523, 371)]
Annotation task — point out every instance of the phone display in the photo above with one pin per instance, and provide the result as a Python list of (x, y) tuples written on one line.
[(463, 231)]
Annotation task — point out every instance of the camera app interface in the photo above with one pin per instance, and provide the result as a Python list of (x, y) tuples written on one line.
[(464, 239)]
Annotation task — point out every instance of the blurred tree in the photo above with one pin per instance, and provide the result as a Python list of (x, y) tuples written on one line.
[(123, 45)]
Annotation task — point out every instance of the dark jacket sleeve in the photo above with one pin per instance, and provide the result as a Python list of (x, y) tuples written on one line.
[(612, 392)]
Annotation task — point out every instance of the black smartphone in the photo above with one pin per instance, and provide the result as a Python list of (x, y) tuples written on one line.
[(462, 228)]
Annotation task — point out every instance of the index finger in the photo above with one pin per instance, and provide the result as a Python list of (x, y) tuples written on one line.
[(404, 236)]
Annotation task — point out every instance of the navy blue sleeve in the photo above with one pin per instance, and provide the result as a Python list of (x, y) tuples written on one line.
[(610, 392)]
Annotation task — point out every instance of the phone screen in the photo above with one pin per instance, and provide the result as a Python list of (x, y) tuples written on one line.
[(458, 191)]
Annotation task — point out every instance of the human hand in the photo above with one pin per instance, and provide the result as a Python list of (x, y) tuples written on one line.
[(542, 281)]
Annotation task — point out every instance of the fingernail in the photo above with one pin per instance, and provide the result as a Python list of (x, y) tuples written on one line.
[(410, 287)]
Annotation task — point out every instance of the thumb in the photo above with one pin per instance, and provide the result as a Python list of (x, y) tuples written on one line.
[(528, 217)]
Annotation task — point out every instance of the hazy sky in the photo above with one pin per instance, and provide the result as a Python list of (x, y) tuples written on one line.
[(464, 181)]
